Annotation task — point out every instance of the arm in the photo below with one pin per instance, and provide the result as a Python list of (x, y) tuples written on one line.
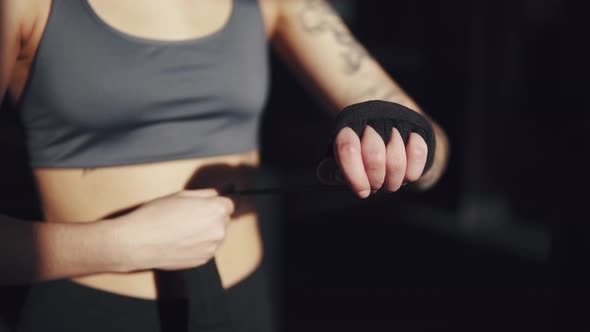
[(314, 41), (38, 251), (178, 231), (34, 250)]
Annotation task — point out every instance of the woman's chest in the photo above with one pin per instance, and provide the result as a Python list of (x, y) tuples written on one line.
[(174, 22), (93, 72)]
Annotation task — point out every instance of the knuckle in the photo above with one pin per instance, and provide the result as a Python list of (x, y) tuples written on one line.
[(222, 206), (395, 164), (374, 156), (347, 148), (419, 151), (227, 203), (373, 170)]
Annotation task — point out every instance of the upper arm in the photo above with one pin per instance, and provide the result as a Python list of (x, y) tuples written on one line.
[(10, 40), (314, 40)]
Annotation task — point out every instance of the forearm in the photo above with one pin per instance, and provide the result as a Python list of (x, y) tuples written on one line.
[(39, 251), (371, 82), (329, 60), (336, 68)]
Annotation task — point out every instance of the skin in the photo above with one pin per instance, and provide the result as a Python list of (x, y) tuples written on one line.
[(311, 38)]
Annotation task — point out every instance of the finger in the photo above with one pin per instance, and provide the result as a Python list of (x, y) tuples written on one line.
[(227, 203), (347, 149), (416, 152), (396, 162), (373, 153)]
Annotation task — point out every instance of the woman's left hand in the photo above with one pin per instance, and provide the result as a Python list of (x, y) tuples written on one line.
[(367, 164)]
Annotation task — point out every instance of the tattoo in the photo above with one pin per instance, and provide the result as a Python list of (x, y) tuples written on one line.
[(319, 17)]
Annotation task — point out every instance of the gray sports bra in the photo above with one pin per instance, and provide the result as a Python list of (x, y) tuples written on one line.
[(99, 97)]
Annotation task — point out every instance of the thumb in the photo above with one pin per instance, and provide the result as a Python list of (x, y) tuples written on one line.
[(329, 173)]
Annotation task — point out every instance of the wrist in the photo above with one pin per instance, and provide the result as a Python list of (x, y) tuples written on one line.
[(67, 250), (115, 245), (439, 165)]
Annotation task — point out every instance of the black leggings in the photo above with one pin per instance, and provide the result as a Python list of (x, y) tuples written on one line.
[(67, 306)]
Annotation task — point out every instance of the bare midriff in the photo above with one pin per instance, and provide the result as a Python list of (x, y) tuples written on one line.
[(87, 195)]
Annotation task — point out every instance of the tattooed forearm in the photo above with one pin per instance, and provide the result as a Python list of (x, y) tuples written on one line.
[(369, 88), (319, 17), (372, 85), (377, 90)]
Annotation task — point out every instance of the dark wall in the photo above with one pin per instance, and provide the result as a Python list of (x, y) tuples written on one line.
[(494, 241)]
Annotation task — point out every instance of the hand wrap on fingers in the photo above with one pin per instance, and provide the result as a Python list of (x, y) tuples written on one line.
[(383, 116)]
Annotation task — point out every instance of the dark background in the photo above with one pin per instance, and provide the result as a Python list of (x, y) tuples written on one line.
[(499, 243)]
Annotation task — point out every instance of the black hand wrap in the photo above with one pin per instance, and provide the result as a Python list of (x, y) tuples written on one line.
[(383, 116)]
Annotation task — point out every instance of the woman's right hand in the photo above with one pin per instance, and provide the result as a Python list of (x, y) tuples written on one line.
[(178, 231)]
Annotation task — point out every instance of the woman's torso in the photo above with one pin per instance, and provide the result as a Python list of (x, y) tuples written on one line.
[(83, 195)]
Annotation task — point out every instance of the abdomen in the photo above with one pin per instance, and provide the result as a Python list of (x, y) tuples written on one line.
[(77, 195)]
